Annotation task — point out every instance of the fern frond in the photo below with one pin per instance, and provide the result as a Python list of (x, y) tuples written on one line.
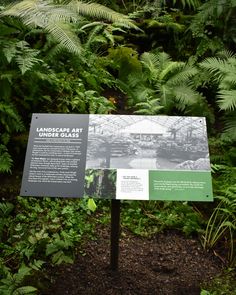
[(5, 208), (99, 11), (217, 66), (57, 19), (5, 160), (94, 33), (229, 81), (170, 68), (26, 57), (226, 54), (227, 100), (185, 96), (190, 3), (183, 74), (230, 126), (9, 118), (63, 34), (9, 49), (134, 79), (150, 107), (155, 61), (150, 61)]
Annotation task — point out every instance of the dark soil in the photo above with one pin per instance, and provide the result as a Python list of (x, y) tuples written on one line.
[(167, 264)]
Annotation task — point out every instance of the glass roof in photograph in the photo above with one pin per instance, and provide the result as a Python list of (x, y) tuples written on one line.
[(120, 123)]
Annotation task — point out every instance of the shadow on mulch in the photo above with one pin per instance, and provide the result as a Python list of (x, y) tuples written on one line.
[(167, 264)]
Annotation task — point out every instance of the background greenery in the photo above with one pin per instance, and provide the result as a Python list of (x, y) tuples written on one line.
[(110, 56)]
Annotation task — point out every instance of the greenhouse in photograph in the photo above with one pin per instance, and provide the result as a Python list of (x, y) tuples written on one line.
[(147, 142)]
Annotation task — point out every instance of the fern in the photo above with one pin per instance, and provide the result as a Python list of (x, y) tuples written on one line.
[(186, 96), (5, 160), (183, 73), (64, 35), (24, 56), (57, 19), (227, 100), (217, 66), (96, 10), (10, 118), (27, 57), (190, 3), (230, 126), (150, 107), (222, 70), (6, 208)]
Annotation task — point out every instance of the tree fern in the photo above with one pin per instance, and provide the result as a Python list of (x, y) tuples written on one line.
[(57, 19)]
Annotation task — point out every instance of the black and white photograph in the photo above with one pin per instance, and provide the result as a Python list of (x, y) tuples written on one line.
[(147, 142)]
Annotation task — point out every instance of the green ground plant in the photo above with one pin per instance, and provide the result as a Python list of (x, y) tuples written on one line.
[(36, 231), (149, 217)]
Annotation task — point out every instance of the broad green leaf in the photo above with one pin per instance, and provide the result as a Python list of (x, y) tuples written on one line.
[(25, 290), (91, 205)]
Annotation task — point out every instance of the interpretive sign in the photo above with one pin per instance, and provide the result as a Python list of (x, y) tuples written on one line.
[(56, 156), (118, 156)]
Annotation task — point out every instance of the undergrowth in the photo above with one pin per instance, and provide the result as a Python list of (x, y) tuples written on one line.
[(37, 232)]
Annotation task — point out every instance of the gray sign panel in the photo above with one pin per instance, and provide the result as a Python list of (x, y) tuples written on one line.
[(56, 156)]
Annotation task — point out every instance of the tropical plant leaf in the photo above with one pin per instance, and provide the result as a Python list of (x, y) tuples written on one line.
[(63, 34), (227, 100), (91, 205), (99, 11), (25, 290)]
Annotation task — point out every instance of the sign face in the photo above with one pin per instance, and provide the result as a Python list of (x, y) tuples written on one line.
[(118, 156), (55, 158)]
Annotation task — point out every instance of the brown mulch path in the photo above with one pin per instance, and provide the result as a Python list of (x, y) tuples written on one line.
[(167, 264)]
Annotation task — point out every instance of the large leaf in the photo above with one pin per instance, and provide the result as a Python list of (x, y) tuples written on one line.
[(25, 290), (227, 100), (63, 34)]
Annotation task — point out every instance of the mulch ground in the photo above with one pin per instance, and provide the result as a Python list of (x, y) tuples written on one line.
[(166, 264)]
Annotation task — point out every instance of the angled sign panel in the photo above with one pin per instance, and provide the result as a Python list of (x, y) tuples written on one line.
[(118, 156)]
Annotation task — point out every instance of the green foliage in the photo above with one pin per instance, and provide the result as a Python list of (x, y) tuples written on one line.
[(13, 284), (149, 217), (220, 230), (24, 56), (39, 230), (222, 223), (222, 69), (149, 107), (57, 19), (212, 35), (125, 61), (5, 160), (162, 83), (221, 285)]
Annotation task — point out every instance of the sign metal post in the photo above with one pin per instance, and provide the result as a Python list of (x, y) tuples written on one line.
[(115, 233)]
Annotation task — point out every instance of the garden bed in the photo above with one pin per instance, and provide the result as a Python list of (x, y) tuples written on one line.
[(166, 264)]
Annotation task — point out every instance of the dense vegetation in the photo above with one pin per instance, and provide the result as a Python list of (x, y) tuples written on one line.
[(148, 57)]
